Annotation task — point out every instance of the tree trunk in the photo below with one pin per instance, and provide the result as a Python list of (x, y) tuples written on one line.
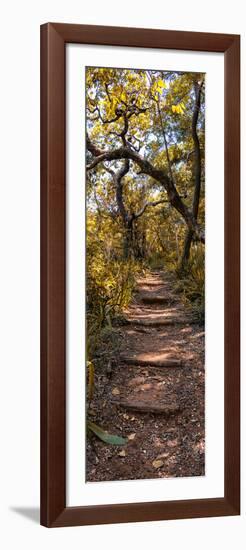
[(187, 247), (197, 175), (128, 248), (134, 245)]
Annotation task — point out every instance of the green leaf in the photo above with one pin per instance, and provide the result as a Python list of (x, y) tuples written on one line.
[(105, 436)]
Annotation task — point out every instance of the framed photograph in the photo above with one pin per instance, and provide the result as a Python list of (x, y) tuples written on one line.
[(140, 275)]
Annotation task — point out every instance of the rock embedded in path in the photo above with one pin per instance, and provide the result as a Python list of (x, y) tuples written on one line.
[(148, 406), (151, 360)]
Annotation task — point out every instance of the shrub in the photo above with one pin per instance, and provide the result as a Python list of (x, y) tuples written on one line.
[(191, 282), (109, 289)]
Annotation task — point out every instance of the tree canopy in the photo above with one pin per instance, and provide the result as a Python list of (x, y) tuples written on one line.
[(145, 141)]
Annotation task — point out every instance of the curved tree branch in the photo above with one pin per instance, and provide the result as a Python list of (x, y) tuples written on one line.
[(157, 174), (146, 205)]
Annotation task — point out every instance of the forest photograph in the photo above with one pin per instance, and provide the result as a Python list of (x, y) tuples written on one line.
[(145, 274)]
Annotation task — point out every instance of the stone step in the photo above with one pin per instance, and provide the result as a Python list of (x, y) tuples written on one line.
[(148, 407), (159, 322), (152, 360), (156, 299), (151, 282)]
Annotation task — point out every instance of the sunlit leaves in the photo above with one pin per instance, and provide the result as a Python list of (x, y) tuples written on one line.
[(179, 108), (157, 88)]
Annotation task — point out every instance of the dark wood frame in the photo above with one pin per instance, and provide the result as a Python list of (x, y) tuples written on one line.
[(54, 512)]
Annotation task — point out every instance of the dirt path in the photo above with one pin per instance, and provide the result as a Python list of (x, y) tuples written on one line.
[(153, 393)]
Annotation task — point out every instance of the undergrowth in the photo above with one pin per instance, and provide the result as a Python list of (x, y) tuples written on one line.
[(110, 284), (191, 283)]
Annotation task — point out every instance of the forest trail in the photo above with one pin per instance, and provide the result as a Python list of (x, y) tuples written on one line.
[(153, 393)]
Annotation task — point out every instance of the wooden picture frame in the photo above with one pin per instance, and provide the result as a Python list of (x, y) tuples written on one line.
[(54, 512)]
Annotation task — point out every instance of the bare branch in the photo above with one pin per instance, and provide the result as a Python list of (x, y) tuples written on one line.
[(147, 204), (109, 170)]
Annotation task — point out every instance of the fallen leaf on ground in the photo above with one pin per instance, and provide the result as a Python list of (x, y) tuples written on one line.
[(115, 391), (122, 453), (157, 464), (104, 435), (131, 437), (163, 455)]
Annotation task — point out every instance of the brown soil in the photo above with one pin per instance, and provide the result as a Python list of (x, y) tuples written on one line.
[(152, 391)]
